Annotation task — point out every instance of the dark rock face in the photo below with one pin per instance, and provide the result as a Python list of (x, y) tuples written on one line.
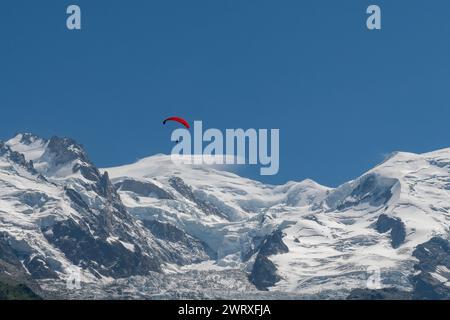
[(395, 225), (108, 258), (256, 245), (106, 189), (39, 268), (264, 273), (434, 258), (269, 245), (76, 198), (15, 281), (186, 191), (273, 244), (144, 189), (87, 171), (16, 158), (65, 150), (382, 294), (372, 189), (168, 232)]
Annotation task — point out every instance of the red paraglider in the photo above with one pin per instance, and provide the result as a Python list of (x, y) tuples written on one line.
[(179, 120)]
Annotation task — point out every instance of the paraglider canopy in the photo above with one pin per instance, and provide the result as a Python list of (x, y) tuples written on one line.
[(179, 120)]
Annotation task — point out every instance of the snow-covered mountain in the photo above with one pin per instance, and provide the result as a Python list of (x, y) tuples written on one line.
[(59, 214), (159, 229)]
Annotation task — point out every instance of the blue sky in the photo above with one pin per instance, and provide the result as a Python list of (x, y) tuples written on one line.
[(342, 96)]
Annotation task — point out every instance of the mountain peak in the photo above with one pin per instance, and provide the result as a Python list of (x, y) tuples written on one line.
[(58, 156), (30, 145), (441, 153), (65, 150), (26, 138), (16, 157)]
